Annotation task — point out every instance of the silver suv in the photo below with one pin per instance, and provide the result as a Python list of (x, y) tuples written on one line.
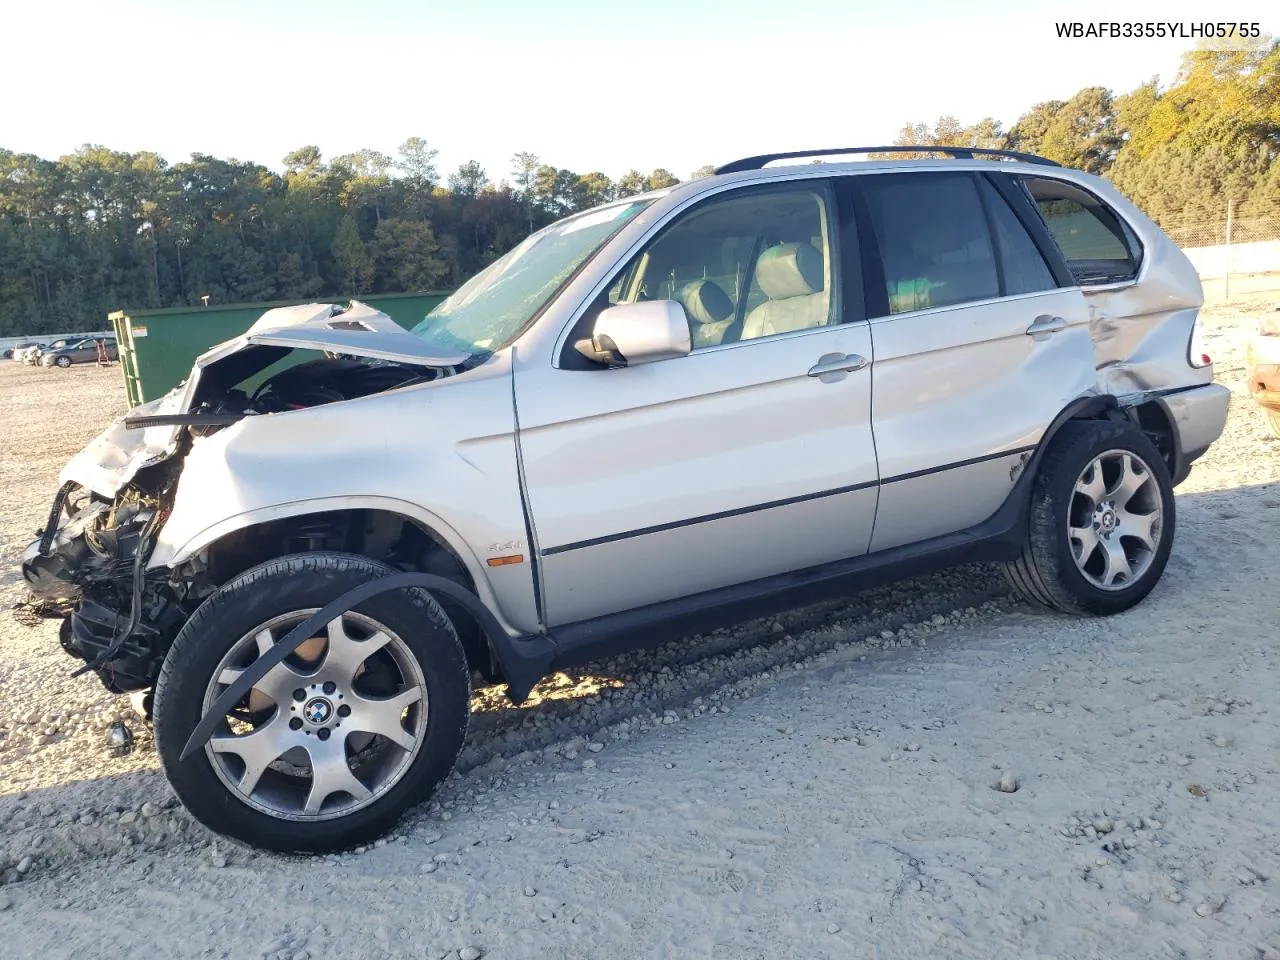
[(751, 390)]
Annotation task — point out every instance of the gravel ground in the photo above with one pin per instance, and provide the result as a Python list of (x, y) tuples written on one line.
[(927, 770)]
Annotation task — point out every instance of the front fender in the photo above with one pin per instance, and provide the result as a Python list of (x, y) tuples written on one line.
[(388, 452)]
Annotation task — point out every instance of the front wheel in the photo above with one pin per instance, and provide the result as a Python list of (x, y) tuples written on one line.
[(63, 362), (335, 742), (1101, 521)]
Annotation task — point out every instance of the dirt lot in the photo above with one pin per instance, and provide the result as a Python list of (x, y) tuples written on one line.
[(820, 785)]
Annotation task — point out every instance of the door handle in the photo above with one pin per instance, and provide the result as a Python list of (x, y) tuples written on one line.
[(836, 363), (1044, 325)]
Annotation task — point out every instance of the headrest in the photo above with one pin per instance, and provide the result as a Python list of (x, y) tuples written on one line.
[(705, 302), (789, 270)]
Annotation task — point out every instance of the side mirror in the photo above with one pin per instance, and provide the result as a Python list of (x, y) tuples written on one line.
[(635, 333)]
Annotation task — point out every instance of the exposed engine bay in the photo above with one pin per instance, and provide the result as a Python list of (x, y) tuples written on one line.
[(308, 384), (89, 565)]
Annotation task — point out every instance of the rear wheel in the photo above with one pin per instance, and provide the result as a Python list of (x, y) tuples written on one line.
[(335, 742), (1101, 521)]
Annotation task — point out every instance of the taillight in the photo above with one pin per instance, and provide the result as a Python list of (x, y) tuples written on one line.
[(1196, 355)]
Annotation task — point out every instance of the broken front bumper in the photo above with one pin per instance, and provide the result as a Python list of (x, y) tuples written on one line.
[(89, 571), (90, 632)]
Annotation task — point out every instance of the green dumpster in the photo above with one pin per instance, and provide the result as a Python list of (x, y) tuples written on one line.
[(158, 347)]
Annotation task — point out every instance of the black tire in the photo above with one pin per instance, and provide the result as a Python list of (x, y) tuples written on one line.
[(1046, 572), (63, 362), (293, 583)]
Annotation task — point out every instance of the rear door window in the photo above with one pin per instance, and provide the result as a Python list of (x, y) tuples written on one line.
[(1022, 268), (934, 243), (1098, 245)]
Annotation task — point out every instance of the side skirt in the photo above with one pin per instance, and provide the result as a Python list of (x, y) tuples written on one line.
[(998, 538)]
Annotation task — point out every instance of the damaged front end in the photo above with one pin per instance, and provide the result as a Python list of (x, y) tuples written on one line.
[(90, 566), (90, 563)]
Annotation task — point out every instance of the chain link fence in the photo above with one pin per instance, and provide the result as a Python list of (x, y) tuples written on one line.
[(1236, 255)]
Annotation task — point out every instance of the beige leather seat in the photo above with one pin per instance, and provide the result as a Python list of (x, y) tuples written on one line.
[(791, 276), (710, 312)]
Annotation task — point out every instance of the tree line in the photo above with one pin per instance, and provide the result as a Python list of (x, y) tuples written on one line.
[(101, 229), (1180, 153)]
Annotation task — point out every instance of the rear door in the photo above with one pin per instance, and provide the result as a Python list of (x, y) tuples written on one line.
[(981, 338)]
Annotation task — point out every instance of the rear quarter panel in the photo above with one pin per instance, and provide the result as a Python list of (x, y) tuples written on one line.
[(1141, 329)]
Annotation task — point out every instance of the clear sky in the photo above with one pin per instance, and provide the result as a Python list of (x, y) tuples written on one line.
[(585, 84)]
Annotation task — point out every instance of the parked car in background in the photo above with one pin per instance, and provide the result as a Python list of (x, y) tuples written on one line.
[(21, 350), (83, 351), (1262, 365), (33, 355)]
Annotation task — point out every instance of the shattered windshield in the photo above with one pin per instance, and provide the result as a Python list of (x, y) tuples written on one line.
[(489, 310)]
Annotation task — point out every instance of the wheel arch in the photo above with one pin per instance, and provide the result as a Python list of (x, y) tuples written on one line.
[(174, 554), (378, 528), (1155, 420), (1151, 416), (1095, 406), (1010, 520)]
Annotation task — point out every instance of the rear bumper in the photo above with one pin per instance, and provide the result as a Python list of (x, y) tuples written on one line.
[(1198, 415)]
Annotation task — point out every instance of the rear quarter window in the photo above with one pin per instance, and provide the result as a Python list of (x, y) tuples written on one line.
[(1098, 246)]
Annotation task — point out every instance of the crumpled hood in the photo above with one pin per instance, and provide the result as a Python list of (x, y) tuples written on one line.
[(358, 330), (112, 459)]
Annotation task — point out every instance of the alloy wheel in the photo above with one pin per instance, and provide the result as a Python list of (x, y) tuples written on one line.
[(1114, 520), (329, 730)]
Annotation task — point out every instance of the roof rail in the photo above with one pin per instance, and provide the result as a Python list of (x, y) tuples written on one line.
[(960, 153)]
